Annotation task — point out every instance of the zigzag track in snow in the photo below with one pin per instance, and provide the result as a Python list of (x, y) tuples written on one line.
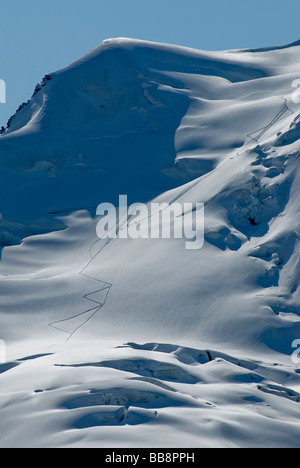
[(262, 131), (89, 313), (105, 286)]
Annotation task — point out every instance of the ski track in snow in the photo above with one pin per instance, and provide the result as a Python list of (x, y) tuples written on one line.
[(262, 131), (92, 311), (107, 286)]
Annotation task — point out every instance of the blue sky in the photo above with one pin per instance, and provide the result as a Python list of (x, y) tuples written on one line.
[(38, 37)]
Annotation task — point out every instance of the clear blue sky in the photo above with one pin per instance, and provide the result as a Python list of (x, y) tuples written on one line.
[(40, 36)]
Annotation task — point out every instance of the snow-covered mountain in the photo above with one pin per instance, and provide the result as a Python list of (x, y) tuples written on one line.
[(143, 342)]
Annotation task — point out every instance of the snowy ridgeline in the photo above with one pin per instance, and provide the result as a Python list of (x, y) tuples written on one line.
[(167, 123)]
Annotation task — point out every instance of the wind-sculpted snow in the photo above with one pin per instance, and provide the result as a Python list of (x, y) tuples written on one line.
[(141, 342), (226, 401)]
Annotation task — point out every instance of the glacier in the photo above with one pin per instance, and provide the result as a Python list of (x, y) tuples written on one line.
[(141, 342)]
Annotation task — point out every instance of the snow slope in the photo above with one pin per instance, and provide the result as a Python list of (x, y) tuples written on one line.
[(142, 342)]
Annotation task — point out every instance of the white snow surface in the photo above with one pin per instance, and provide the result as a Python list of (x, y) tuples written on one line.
[(142, 343)]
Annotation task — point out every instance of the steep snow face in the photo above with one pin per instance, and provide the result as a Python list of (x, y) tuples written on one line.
[(86, 125), (159, 123)]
